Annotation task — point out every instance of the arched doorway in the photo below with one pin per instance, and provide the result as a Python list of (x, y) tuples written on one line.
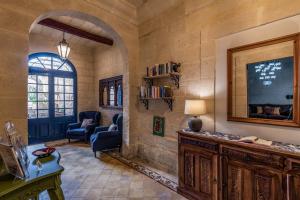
[(120, 41), (52, 96)]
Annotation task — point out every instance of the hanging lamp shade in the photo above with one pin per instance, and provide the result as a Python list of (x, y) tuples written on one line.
[(63, 48)]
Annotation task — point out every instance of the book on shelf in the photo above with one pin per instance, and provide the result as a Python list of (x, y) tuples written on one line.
[(155, 92), (161, 69)]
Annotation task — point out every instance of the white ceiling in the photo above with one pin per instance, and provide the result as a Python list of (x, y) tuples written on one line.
[(54, 34)]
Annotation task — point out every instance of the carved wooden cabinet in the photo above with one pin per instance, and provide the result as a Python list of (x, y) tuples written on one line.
[(212, 168), (198, 169)]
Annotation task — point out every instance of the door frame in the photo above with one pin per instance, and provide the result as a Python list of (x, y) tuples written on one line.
[(51, 98)]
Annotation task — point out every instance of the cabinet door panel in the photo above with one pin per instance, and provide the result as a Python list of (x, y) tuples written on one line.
[(242, 182), (235, 182), (189, 169), (199, 173), (205, 175), (293, 184), (267, 185)]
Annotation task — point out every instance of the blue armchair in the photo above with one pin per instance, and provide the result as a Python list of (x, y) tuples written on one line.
[(103, 139), (75, 131)]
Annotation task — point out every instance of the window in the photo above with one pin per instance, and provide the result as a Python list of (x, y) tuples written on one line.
[(111, 92), (49, 63), (38, 96), (51, 87), (64, 96), (111, 95)]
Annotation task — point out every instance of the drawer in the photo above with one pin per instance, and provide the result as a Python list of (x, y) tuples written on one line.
[(207, 145), (253, 158)]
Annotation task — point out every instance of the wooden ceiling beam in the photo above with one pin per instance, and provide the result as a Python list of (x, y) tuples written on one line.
[(75, 31)]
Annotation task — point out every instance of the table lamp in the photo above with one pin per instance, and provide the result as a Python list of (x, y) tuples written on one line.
[(195, 108)]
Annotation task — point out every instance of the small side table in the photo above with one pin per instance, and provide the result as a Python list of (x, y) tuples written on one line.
[(38, 181)]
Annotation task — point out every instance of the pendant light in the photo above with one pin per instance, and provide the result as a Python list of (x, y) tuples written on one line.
[(63, 48)]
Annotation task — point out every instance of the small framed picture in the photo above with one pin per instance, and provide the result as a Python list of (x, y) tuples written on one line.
[(11, 161), (158, 126)]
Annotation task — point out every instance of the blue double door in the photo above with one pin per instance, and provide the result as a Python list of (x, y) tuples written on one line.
[(51, 105)]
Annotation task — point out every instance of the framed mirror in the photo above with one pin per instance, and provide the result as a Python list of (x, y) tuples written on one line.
[(263, 82)]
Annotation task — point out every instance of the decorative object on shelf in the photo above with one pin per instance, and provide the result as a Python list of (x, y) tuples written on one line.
[(111, 92), (195, 107), (63, 48), (158, 126), (119, 96), (174, 76), (44, 152), (159, 71), (105, 96), (175, 67)]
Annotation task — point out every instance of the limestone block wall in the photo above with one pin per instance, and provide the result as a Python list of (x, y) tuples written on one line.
[(83, 60), (108, 63), (17, 17), (186, 31)]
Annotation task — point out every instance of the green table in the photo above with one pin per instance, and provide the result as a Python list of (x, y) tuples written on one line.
[(30, 188)]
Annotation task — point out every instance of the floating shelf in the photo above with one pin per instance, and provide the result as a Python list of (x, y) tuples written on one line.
[(168, 100), (174, 76)]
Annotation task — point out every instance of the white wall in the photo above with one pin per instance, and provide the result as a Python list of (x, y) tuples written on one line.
[(273, 30)]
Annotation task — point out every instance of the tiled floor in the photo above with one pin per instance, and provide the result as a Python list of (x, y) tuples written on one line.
[(89, 178)]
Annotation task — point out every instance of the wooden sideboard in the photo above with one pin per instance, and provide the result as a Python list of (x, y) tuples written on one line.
[(212, 168)]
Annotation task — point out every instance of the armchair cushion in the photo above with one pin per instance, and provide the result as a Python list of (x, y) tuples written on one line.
[(74, 125), (105, 134), (86, 122), (112, 127), (91, 127), (77, 131), (101, 128)]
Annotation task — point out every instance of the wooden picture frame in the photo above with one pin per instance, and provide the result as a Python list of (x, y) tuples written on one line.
[(159, 126), (295, 122), (11, 161)]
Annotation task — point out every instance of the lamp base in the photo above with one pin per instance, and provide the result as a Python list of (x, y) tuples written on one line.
[(195, 124)]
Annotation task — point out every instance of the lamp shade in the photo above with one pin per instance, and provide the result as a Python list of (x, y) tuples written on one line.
[(195, 107)]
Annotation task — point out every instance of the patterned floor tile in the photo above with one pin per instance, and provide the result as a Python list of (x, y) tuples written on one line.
[(89, 178)]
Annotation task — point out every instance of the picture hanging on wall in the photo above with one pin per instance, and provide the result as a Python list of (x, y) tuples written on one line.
[(159, 126)]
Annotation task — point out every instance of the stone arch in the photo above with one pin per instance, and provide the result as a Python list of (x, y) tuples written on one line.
[(119, 42)]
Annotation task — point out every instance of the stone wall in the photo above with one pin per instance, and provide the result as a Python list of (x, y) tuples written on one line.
[(108, 63), (118, 18), (186, 31), (83, 60)]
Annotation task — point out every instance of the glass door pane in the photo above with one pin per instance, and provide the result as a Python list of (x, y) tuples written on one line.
[(64, 96), (38, 96)]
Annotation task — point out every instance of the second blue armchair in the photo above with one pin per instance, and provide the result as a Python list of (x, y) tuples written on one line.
[(103, 138)]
